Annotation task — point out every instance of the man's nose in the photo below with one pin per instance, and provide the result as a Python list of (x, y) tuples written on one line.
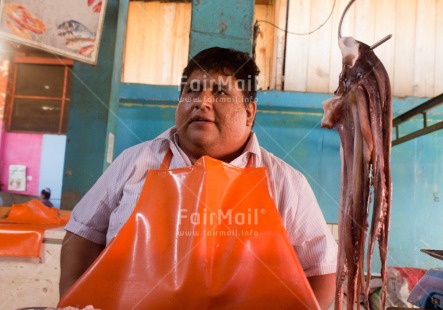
[(204, 100)]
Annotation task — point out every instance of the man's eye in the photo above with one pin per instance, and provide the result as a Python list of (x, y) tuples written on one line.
[(191, 90), (220, 92)]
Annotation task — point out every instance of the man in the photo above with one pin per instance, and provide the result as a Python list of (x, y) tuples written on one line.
[(214, 117), (45, 194)]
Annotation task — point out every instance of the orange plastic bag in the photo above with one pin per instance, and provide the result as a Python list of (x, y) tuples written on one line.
[(202, 237), (21, 233), (35, 212), (20, 240)]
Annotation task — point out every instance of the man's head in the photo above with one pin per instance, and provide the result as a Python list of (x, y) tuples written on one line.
[(217, 109), (45, 193), (236, 64)]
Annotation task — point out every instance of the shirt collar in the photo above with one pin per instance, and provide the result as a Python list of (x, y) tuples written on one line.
[(167, 135), (252, 148)]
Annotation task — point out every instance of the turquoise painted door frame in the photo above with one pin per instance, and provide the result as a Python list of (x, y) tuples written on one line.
[(226, 23), (94, 108)]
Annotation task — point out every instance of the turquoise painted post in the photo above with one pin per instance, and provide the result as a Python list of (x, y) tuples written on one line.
[(226, 23), (94, 101), (115, 83)]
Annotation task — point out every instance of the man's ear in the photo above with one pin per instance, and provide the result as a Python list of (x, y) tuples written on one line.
[(251, 109)]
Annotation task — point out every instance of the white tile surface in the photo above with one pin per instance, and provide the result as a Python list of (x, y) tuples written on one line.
[(32, 282)]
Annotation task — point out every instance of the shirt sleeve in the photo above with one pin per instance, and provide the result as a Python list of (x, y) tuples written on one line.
[(90, 217), (308, 231), (313, 240)]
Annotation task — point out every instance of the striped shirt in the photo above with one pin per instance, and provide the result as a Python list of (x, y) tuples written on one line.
[(105, 208)]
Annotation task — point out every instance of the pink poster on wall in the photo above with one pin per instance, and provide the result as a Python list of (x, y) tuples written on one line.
[(70, 28), (17, 178)]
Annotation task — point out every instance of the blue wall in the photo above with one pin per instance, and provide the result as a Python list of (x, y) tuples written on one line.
[(51, 166), (417, 210), (288, 124)]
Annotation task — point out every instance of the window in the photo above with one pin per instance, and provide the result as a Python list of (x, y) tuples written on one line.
[(38, 94)]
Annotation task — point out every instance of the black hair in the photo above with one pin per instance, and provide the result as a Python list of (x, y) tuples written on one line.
[(229, 62), (45, 194)]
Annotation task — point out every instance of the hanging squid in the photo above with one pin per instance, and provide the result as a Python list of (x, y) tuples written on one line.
[(361, 110)]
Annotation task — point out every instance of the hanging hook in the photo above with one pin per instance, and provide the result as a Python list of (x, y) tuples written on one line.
[(342, 16), (373, 46), (380, 42)]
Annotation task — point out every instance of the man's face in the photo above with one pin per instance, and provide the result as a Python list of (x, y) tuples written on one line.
[(212, 118)]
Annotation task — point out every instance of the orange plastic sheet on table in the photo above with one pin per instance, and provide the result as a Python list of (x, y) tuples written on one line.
[(21, 233), (202, 237)]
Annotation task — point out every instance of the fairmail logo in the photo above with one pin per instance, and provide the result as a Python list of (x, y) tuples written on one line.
[(208, 217)]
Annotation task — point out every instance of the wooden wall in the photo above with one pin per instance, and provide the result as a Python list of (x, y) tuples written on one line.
[(412, 57), (264, 47), (158, 38), (157, 42)]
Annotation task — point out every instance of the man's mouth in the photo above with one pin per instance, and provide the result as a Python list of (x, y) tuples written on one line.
[(201, 119)]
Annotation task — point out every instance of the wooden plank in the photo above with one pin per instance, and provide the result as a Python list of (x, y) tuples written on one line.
[(384, 22), (335, 58), (133, 43), (319, 42), (348, 25), (182, 30), (364, 21), (438, 65), (264, 48), (297, 46), (405, 26), (279, 42), (157, 42), (148, 25), (263, 2), (43, 60), (175, 26), (424, 49)]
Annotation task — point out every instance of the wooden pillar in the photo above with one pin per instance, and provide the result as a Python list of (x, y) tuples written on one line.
[(93, 109)]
